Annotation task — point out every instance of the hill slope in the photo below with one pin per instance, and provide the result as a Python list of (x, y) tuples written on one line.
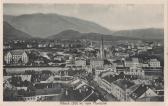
[(10, 33), (149, 33), (43, 25), (153, 34)]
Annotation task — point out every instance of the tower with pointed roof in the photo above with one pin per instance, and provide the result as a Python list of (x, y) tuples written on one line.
[(102, 48)]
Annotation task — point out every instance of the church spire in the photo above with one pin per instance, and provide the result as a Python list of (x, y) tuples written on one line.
[(102, 48)]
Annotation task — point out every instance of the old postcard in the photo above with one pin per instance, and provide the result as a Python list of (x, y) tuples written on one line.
[(84, 53)]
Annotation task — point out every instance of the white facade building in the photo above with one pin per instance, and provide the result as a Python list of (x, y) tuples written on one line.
[(154, 63), (135, 71), (16, 56)]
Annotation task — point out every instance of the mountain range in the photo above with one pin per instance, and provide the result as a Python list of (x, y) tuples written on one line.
[(44, 25), (151, 33), (54, 26), (71, 34), (148, 33)]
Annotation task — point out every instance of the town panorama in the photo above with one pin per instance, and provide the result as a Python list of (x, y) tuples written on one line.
[(79, 66)]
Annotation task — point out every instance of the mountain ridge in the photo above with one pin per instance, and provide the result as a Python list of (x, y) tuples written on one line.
[(71, 34), (64, 27), (43, 25), (11, 33), (145, 33)]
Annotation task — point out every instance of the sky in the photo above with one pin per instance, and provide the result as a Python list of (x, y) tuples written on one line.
[(111, 16)]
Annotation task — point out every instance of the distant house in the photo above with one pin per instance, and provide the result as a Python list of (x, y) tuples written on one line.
[(51, 44), (42, 45), (153, 71), (39, 61), (22, 88), (16, 56), (25, 77), (154, 63), (29, 46), (6, 46), (80, 62)]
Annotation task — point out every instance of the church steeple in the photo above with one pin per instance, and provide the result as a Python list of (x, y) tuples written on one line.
[(102, 48)]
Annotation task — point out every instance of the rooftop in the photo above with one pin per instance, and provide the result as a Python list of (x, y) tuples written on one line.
[(139, 91), (124, 84), (153, 60), (111, 78), (17, 52)]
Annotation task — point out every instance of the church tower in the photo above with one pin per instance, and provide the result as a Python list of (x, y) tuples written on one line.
[(102, 48)]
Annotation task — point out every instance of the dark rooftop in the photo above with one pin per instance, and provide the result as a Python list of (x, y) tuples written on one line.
[(124, 84), (139, 91)]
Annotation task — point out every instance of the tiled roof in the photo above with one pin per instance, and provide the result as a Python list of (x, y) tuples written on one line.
[(17, 52), (124, 84), (153, 60), (111, 78), (139, 91), (133, 88), (154, 98)]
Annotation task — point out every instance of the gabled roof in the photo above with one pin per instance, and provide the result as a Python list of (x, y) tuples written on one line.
[(154, 98), (118, 62), (139, 91), (17, 52)]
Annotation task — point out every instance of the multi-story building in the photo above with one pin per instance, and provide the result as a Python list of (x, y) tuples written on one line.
[(16, 56), (154, 63), (134, 62), (118, 88), (99, 70), (80, 62), (126, 90), (135, 71), (97, 63)]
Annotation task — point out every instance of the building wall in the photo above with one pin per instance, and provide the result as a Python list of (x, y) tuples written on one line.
[(9, 58), (135, 71), (95, 64), (25, 58), (154, 64), (104, 85), (118, 92), (113, 89)]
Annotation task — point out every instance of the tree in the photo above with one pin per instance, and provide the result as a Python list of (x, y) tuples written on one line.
[(4, 72)]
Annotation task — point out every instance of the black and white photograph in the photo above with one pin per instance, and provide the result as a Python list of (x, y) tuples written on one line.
[(83, 52)]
